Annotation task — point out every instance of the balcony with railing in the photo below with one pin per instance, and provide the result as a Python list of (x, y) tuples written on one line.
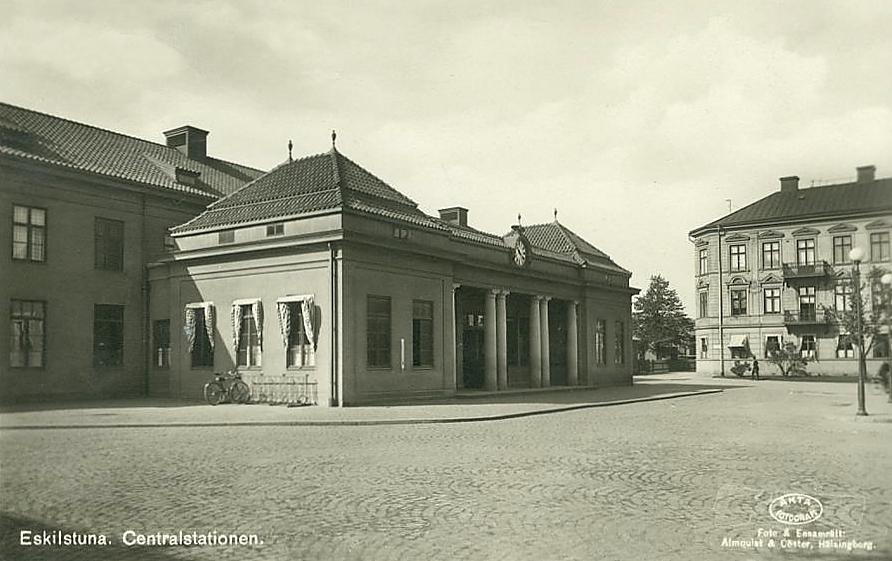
[(807, 317), (813, 272)]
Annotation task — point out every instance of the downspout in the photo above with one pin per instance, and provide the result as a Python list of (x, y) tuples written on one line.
[(146, 318), (333, 400), (721, 305)]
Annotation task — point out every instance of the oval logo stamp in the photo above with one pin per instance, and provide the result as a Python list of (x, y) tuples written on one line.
[(795, 509)]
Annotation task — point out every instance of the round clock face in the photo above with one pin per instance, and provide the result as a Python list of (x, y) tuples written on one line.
[(521, 253)]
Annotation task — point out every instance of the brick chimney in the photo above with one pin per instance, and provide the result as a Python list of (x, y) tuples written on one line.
[(189, 140), (789, 184), (866, 174), (455, 215)]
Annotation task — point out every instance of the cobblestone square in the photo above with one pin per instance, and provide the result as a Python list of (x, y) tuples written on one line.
[(687, 478)]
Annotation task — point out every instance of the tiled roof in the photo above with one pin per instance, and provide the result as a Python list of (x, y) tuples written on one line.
[(45, 138), (813, 202), (557, 239)]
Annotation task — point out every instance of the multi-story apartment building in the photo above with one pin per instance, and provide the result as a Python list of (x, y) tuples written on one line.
[(85, 209), (767, 273)]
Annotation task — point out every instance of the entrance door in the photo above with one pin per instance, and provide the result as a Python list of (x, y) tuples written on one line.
[(473, 363)]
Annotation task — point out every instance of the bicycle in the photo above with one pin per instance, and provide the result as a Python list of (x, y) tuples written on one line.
[(227, 387)]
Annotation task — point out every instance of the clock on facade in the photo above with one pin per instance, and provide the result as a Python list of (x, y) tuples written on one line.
[(521, 254)]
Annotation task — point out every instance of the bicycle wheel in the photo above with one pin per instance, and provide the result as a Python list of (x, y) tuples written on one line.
[(239, 392), (214, 392)]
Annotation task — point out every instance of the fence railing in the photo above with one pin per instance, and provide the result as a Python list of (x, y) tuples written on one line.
[(284, 391)]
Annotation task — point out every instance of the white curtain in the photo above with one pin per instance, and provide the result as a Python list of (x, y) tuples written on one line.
[(189, 327), (257, 310), (284, 311), (307, 312), (236, 325), (308, 309), (209, 322)]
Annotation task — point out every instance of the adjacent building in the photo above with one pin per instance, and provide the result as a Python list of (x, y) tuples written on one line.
[(139, 268), (85, 209), (767, 273)]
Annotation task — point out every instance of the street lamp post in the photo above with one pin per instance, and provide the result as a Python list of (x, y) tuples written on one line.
[(887, 313), (856, 255)]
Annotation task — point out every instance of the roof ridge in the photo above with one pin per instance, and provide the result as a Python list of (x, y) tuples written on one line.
[(116, 133)]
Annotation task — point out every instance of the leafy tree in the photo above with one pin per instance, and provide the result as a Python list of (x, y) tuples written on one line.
[(661, 325), (788, 360), (871, 318)]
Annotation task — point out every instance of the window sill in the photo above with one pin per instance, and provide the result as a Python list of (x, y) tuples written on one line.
[(301, 368)]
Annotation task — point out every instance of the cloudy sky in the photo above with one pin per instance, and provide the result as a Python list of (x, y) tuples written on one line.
[(636, 120)]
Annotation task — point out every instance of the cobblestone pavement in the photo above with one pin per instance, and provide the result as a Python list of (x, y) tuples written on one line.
[(655, 480)]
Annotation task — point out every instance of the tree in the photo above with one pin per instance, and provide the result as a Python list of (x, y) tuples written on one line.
[(871, 319), (661, 325), (788, 360)]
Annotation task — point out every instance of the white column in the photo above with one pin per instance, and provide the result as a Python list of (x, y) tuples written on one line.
[(453, 352), (572, 346), (489, 342), (546, 351), (502, 339), (535, 344)]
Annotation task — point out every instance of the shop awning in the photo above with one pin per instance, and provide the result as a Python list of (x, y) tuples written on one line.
[(738, 341)]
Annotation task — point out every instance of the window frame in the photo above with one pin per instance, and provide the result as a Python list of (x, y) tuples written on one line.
[(813, 351), (703, 303), (841, 249), (704, 261), (108, 251), (842, 291), (422, 349), (704, 347), (737, 257), (27, 319), (161, 353), (880, 246), (775, 298), (807, 296), (299, 344), (277, 229), (379, 327), (735, 298), (29, 227), (248, 340), (803, 248), (772, 249), (769, 347), (601, 342), (619, 345), (203, 347), (114, 354)]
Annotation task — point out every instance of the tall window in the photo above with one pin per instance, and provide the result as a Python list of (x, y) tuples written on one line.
[(28, 233), (704, 261), (809, 347), (842, 245), (844, 347), (161, 339), (738, 257), (879, 246), (200, 330), (108, 335), (805, 252), (300, 348), (601, 341), (248, 354), (772, 301), (738, 302), (619, 354), (842, 296), (378, 331), (704, 347), (518, 341), (422, 333), (772, 345), (108, 244), (704, 304), (28, 333), (771, 255), (807, 307)]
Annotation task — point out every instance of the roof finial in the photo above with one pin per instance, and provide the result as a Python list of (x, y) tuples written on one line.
[(334, 137), (555, 214), (290, 146), (518, 219)]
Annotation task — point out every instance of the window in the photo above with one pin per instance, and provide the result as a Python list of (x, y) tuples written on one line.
[(740, 352), (807, 308), (808, 347), (248, 319), (842, 296), (108, 335), (601, 341), (844, 347), (275, 229), (704, 261), (108, 244), (199, 330), (738, 257), (772, 345), (296, 320), (704, 304), (805, 252), (619, 356), (772, 301), (28, 333), (738, 302), (422, 333), (881, 346), (704, 347), (378, 331), (879, 246), (161, 338), (226, 236), (842, 245), (28, 233), (771, 255), (518, 341)]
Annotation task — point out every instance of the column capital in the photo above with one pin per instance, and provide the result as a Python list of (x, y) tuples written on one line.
[(492, 292), (505, 291), (455, 286), (547, 298), (536, 297)]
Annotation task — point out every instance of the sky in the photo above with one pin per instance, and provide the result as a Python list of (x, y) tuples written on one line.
[(637, 121)]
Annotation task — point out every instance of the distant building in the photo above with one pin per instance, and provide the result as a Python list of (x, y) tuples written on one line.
[(320, 273), (767, 273), (85, 209)]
